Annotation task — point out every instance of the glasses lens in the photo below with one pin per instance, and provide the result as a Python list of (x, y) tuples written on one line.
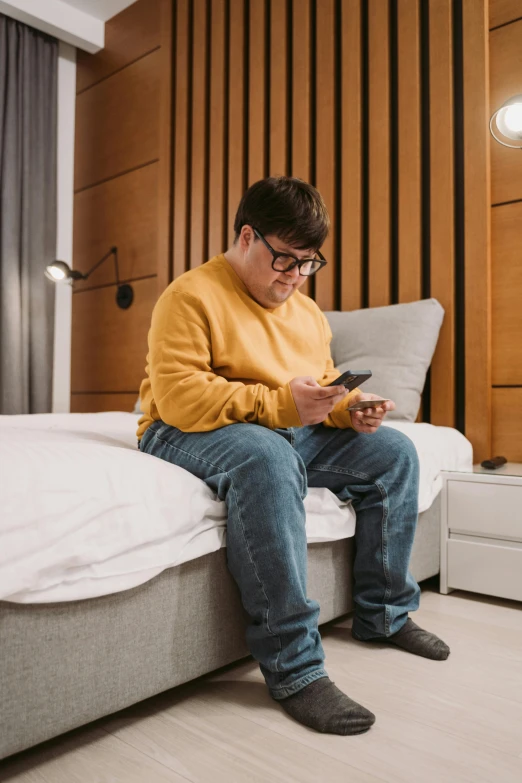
[(308, 267)]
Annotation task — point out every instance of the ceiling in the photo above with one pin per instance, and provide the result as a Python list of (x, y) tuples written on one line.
[(80, 23), (100, 9)]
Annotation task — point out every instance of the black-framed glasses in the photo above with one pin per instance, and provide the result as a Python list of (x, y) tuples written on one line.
[(284, 262)]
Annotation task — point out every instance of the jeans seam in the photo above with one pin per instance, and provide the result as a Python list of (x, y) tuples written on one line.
[(276, 636), (384, 527), (232, 487)]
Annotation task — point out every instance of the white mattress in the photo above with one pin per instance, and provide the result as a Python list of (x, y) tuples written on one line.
[(85, 513)]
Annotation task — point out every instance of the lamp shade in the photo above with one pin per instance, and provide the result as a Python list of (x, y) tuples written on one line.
[(60, 272), (508, 121)]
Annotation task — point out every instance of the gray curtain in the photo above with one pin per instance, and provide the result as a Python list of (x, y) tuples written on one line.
[(28, 116)]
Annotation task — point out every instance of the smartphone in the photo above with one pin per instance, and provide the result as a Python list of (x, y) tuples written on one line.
[(351, 379), (362, 404)]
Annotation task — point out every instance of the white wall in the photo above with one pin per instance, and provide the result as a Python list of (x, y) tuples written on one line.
[(64, 240)]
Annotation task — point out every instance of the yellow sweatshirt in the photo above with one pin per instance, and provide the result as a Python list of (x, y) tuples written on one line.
[(217, 357)]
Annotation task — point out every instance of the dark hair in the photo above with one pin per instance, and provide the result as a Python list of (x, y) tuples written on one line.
[(289, 208)]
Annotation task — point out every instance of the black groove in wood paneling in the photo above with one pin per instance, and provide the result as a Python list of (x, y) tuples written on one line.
[(313, 113), (394, 153), (246, 93), (289, 86), (425, 147), (226, 218), (267, 162), (459, 273), (128, 280), (313, 91), (190, 114), (172, 117), (206, 109), (504, 24), (338, 156), (122, 68), (504, 203), (365, 163), (424, 20), (115, 176)]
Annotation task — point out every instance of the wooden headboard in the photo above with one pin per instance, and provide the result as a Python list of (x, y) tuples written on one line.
[(383, 105)]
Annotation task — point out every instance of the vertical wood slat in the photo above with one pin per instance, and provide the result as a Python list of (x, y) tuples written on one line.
[(350, 215), (181, 195), (409, 153), (199, 163), (379, 153), (325, 143), (236, 110), (442, 249), (506, 285), (216, 128), (505, 81), (257, 107), (278, 153), (301, 105), (477, 232), (164, 269)]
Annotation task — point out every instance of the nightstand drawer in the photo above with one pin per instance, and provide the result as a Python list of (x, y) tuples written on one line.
[(485, 508), (485, 568)]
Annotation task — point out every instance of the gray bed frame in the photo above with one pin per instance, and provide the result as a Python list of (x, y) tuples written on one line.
[(63, 665)]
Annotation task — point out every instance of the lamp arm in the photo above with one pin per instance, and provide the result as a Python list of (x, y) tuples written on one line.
[(114, 250), (105, 257)]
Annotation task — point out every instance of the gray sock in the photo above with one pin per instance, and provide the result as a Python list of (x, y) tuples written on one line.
[(323, 707), (416, 640)]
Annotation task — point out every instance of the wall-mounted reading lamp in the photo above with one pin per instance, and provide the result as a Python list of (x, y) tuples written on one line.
[(508, 121), (59, 272)]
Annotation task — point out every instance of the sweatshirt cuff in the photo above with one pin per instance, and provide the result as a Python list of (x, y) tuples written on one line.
[(341, 417), (285, 414)]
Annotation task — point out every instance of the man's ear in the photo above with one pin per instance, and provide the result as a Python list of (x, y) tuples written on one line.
[(246, 238)]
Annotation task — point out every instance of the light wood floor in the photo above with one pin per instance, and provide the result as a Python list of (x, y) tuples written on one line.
[(452, 721)]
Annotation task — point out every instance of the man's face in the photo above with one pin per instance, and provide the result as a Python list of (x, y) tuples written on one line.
[(267, 286)]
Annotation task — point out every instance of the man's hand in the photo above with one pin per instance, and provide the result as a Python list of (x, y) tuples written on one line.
[(313, 401), (370, 419)]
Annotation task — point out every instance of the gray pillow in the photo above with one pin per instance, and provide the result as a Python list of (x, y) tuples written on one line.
[(396, 343), (137, 407)]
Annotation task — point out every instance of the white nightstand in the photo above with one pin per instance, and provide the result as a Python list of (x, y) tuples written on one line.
[(481, 531)]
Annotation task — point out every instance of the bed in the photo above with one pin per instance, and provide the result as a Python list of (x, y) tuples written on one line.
[(113, 578)]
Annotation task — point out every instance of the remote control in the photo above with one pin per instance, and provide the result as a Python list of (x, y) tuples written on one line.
[(496, 462)]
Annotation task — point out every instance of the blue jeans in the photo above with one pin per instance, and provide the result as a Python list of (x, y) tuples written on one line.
[(263, 476)]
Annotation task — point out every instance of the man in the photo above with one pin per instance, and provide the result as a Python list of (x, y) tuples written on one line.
[(236, 393)]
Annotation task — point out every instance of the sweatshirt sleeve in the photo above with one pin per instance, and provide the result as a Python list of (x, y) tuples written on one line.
[(338, 417), (187, 392)]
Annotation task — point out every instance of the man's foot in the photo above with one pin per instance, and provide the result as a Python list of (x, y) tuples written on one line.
[(415, 640), (323, 707)]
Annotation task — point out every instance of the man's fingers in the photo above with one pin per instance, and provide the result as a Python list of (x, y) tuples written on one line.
[(368, 427), (365, 418), (332, 391)]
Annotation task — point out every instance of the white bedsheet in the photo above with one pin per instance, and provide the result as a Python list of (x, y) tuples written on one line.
[(84, 513)]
